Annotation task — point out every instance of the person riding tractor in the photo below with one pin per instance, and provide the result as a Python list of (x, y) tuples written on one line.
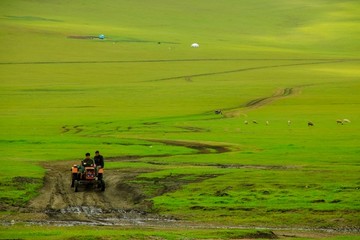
[(99, 161), (87, 162), (87, 174)]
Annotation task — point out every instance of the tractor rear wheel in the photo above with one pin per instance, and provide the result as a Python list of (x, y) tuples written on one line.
[(100, 176), (102, 185)]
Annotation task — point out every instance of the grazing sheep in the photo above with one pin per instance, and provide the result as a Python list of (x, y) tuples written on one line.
[(289, 122), (254, 121), (310, 124), (218, 111), (346, 121), (340, 122)]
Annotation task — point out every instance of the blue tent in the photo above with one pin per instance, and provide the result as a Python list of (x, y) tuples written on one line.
[(101, 36)]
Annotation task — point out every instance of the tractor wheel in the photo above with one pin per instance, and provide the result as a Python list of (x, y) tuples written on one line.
[(102, 185), (100, 176), (76, 186)]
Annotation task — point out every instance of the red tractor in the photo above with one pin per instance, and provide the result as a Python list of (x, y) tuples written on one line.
[(89, 178)]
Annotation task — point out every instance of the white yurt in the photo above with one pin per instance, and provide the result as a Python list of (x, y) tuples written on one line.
[(195, 45)]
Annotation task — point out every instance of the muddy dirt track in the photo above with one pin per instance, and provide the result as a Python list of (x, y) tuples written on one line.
[(57, 193)]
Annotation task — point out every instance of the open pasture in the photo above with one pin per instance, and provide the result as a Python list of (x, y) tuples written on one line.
[(147, 101)]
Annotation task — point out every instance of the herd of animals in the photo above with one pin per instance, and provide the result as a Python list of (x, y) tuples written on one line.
[(310, 124)]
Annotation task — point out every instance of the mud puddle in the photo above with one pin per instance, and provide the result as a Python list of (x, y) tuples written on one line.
[(92, 216)]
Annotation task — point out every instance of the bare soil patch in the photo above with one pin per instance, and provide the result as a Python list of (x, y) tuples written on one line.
[(57, 193)]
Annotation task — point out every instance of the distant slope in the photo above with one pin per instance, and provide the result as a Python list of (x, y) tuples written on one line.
[(37, 29)]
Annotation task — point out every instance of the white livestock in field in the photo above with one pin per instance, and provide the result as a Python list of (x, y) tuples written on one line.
[(342, 121)]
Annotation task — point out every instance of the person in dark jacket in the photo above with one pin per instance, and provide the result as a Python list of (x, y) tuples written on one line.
[(87, 162), (99, 159)]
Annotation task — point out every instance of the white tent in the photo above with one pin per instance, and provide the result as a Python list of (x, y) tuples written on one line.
[(195, 45)]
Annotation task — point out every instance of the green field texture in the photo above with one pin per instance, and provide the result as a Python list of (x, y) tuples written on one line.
[(64, 94), (80, 232), (125, 232)]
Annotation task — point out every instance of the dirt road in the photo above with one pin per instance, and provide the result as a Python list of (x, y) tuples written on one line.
[(59, 200)]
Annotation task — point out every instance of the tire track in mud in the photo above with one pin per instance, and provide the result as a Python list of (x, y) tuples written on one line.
[(259, 102), (266, 100), (201, 148)]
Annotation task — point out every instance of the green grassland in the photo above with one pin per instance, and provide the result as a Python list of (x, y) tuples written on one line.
[(36, 232), (50, 232), (64, 93)]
